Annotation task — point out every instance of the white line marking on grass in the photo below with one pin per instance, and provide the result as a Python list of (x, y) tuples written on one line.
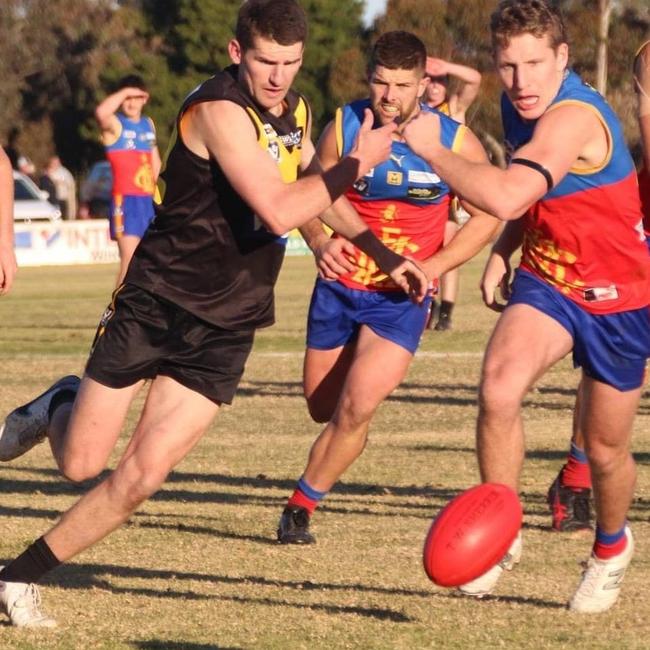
[(418, 355)]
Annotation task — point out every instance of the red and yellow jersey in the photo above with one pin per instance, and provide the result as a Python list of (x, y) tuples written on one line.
[(403, 201), (585, 236), (130, 157)]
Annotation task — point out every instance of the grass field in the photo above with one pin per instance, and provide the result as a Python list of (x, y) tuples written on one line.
[(198, 566)]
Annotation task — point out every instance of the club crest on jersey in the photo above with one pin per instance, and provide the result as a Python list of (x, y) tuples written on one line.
[(274, 150), (362, 186), (269, 131), (394, 178), (291, 140)]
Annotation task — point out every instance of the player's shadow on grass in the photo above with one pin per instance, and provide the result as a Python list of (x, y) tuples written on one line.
[(519, 600), (92, 576), (156, 644)]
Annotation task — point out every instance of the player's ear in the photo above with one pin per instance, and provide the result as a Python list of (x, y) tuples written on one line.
[(422, 86), (562, 55), (235, 51)]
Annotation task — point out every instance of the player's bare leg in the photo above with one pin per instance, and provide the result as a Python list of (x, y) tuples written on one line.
[(524, 344), (172, 422), (82, 435), (126, 245), (324, 372), (377, 368), (607, 419)]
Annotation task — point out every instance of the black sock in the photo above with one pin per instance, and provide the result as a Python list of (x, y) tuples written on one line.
[(32, 565), (66, 396), (446, 307)]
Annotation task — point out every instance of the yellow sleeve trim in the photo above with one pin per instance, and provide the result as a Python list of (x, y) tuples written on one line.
[(459, 138), (584, 171), (338, 129)]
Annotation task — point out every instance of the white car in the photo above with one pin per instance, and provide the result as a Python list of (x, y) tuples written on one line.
[(30, 202)]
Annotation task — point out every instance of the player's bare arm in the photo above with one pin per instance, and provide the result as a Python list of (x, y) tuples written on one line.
[(470, 79), (332, 255), (221, 129), (476, 233), (567, 136), (497, 273), (105, 111), (7, 255)]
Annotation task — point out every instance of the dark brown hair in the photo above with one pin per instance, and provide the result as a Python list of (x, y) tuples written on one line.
[(399, 50), (283, 21)]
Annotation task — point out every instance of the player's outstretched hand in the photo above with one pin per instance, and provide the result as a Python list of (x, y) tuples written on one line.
[(334, 258), (412, 280), (372, 145), (496, 276), (422, 134)]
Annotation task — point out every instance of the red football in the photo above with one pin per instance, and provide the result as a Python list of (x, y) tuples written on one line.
[(471, 534)]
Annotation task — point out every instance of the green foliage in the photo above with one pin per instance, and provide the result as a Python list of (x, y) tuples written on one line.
[(58, 58)]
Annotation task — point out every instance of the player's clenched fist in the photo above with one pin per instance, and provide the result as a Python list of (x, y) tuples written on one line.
[(372, 145), (422, 134)]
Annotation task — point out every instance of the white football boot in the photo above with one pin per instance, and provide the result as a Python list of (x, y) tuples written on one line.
[(483, 585), (27, 425), (601, 581), (20, 602)]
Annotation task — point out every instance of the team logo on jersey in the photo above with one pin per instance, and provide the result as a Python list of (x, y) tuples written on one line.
[(293, 139), (362, 186), (269, 131), (394, 178), (389, 213), (274, 150)]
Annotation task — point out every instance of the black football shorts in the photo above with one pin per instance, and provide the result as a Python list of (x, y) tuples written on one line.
[(141, 336)]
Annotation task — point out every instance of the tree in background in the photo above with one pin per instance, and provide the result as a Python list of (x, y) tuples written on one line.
[(58, 58)]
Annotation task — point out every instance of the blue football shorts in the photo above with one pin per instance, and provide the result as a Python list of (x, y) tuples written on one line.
[(611, 348), (130, 215), (337, 312)]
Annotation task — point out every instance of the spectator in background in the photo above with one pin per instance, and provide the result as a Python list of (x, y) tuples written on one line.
[(130, 141), (7, 255), (454, 104), (46, 183), (27, 167), (65, 187)]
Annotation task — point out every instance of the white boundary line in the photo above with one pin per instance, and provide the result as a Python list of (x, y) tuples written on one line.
[(418, 355)]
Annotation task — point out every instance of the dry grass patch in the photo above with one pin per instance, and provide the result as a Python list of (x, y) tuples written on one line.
[(197, 567)]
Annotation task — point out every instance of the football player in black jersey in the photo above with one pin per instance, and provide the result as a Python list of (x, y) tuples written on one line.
[(241, 172)]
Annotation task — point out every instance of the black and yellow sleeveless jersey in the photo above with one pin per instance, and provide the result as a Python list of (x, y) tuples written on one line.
[(206, 251)]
